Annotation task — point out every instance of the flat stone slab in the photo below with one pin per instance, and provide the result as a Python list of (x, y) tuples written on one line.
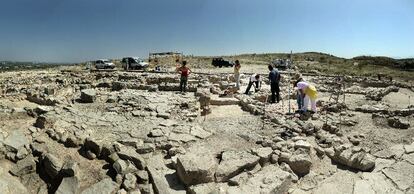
[(181, 137), (25, 166), (270, 179), (382, 163), (302, 144), (196, 168), (105, 186), (215, 100), (375, 183), (207, 188), (233, 163), (129, 153), (401, 173), (199, 132), (409, 148), (68, 185), (409, 158), (157, 172), (16, 140), (341, 182), (11, 185)]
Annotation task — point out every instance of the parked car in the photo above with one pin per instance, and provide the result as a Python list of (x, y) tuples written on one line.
[(104, 64), (281, 63), (220, 62), (133, 63)]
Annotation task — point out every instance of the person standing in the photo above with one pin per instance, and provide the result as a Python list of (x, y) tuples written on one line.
[(274, 78), (184, 72), (255, 78), (299, 97), (308, 93), (237, 67)]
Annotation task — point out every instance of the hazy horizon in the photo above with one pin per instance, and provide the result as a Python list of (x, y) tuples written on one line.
[(77, 31)]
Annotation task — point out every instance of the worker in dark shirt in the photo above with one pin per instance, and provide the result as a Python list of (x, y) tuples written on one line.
[(274, 78)]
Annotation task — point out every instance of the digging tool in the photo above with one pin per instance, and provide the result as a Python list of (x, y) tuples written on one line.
[(289, 66), (289, 85)]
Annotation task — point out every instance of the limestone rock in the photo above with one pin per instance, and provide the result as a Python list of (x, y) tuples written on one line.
[(93, 145), (395, 151), (375, 183), (25, 166), (11, 185), (302, 144), (39, 149), (401, 173), (68, 185), (239, 179), (196, 168), (105, 186), (52, 165), (381, 163), (70, 168), (409, 148), (199, 132), (207, 188), (359, 160), (263, 153), (146, 148), (176, 150), (399, 123), (130, 182), (90, 155), (341, 182), (234, 162), (378, 94), (409, 158), (160, 183), (128, 153), (88, 96), (21, 153), (142, 176), (300, 164), (122, 167), (15, 140), (156, 133), (270, 179), (181, 137)]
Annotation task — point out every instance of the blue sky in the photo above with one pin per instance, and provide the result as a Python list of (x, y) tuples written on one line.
[(79, 30)]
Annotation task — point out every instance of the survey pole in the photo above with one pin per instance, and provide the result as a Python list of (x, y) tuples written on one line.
[(289, 84)]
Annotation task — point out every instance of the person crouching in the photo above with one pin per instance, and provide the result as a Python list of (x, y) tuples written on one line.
[(255, 78), (309, 93)]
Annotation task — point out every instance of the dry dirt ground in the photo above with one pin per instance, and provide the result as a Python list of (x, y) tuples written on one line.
[(65, 131)]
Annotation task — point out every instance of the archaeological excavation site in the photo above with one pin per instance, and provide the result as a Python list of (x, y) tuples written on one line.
[(131, 132)]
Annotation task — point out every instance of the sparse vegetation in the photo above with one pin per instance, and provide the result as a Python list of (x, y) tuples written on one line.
[(20, 66)]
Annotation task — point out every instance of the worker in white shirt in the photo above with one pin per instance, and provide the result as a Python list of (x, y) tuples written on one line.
[(255, 78)]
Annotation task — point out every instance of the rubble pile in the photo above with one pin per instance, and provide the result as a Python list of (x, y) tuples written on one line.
[(130, 132)]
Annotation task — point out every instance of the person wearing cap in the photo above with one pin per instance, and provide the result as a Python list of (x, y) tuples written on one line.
[(237, 67), (274, 78), (184, 71), (255, 78), (299, 97), (309, 93)]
